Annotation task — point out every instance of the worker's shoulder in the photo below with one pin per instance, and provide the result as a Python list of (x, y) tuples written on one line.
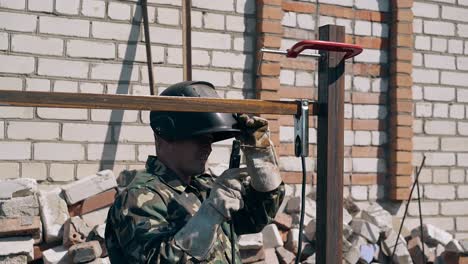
[(144, 183)]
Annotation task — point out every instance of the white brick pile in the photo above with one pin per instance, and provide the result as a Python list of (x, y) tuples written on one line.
[(31, 217)]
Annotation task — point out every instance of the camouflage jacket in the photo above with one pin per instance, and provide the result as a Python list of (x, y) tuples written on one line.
[(149, 212)]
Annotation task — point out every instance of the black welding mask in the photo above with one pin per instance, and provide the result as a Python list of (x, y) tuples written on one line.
[(184, 125)]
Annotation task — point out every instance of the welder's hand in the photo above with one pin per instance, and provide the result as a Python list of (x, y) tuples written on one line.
[(197, 237), (262, 163), (227, 190), (254, 131)]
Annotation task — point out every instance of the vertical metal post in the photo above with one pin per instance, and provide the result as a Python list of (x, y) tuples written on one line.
[(330, 148), (187, 39), (149, 57)]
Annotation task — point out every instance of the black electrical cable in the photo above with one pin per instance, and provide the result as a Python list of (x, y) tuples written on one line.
[(416, 182), (301, 222), (423, 256)]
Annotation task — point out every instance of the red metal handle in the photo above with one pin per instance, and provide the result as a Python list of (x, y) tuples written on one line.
[(350, 49)]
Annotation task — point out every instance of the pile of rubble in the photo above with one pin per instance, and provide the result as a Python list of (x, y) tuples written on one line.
[(66, 225), (369, 236), (57, 225)]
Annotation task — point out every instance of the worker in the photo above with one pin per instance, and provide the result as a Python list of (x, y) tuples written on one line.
[(176, 212)]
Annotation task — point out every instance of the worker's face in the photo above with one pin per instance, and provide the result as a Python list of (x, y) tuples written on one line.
[(192, 154)]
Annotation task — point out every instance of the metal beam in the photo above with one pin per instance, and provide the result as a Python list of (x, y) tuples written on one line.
[(160, 103), (330, 148)]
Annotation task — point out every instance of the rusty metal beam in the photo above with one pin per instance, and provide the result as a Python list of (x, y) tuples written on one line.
[(160, 103)]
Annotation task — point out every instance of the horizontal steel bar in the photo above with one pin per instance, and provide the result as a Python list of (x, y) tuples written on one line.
[(159, 103), (283, 52)]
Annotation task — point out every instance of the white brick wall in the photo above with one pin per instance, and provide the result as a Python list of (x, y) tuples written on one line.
[(37, 45), (58, 151), (33, 130), (96, 46), (90, 49)]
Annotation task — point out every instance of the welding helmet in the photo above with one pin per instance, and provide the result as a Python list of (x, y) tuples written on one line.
[(184, 125)]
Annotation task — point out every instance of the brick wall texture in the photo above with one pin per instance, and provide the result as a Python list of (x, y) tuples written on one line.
[(405, 96)]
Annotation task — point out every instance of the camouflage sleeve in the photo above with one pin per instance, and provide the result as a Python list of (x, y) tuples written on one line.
[(259, 210), (143, 229)]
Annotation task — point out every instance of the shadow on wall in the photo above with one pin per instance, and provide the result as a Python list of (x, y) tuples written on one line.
[(110, 149), (250, 47)]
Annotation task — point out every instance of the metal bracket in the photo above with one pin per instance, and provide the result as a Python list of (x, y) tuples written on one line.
[(301, 129)]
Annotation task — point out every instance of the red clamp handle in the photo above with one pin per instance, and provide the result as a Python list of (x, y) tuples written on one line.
[(350, 49)]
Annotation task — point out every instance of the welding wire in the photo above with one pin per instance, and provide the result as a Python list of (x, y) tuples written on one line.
[(149, 58), (420, 213), (301, 222), (407, 205)]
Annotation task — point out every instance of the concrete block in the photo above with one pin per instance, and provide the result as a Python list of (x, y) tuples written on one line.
[(363, 28), (434, 93), (17, 246), (211, 40), (41, 5), (54, 213), (58, 151), (67, 7), (63, 68), (16, 64), (85, 252), (37, 45), (372, 56), (250, 241), (369, 112), (310, 230), (17, 188), (93, 203), (439, 28), (89, 186), (97, 217), (56, 255), (252, 255), (346, 217), (270, 256), (372, 5), (41, 131), (114, 72), (271, 237), (64, 26), (134, 134), (433, 235), (93, 8), (440, 159), (283, 221), (122, 152), (119, 11), (454, 13), (22, 226), (284, 255), (230, 60), (376, 215), (18, 22), (455, 78), (90, 49), (15, 259), (425, 10), (222, 5), (116, 31), (75, 231), (19, 206), (366, 229), (217, 78), (368, 165), (10, 83), (454, 246)]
